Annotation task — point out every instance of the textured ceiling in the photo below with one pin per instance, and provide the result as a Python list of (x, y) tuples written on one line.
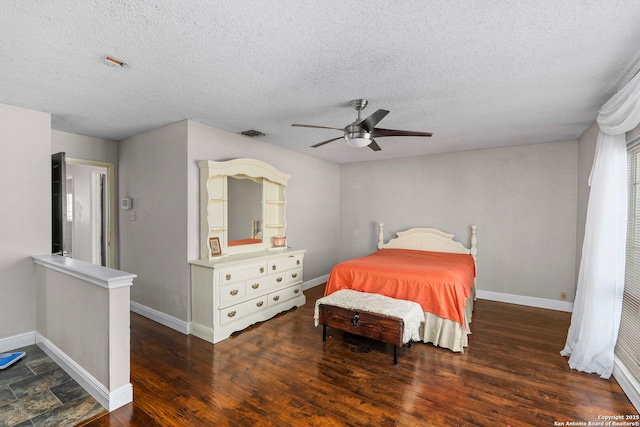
[(476, 74)]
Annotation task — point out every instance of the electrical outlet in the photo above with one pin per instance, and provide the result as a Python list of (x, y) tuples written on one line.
[(563, 296), (132, 215)]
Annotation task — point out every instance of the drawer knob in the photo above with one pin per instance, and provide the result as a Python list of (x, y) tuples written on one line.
[(261, 269), (294, 275), (298, 262), (233, 292), (231, 313), (276, 298), (255, 286), (279, 279), (259, 303), (273, 267), (296, 291), (228, 277)]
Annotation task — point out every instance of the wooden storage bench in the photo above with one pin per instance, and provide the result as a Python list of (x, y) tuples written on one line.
[(372, 316)]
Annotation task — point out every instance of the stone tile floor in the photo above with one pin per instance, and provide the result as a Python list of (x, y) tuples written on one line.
[(35, 391)]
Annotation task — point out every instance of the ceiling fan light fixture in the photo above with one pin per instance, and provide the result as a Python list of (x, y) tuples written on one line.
[(356, 137), (358, 141)]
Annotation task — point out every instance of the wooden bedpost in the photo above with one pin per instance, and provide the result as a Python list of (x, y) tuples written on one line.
[(380, 235)]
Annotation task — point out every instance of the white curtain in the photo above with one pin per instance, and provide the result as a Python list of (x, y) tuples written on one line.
[(596, 311)]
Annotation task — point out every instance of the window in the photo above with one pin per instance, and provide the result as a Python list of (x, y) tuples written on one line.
[(628, 345)]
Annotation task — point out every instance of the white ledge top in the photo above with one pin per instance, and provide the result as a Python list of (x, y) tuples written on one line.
[(102, 276)]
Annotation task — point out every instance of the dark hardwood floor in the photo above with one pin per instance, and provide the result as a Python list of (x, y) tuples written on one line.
[(280, 373)]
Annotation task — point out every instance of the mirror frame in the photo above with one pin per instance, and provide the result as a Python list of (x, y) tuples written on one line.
[(214, 203)]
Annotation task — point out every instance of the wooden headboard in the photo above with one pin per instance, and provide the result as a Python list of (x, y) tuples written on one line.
[(429, 239)]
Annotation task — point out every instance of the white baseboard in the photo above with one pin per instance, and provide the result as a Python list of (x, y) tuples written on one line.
[(120, 397), (201, 331), (628, 383), (549, 304), (17, 341), (110, 400), (315, 282), (160, 317)]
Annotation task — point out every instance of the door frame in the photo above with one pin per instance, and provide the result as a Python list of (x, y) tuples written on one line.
[(112, 260)]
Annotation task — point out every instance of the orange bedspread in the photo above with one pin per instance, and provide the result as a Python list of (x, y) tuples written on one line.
[(440, 282)]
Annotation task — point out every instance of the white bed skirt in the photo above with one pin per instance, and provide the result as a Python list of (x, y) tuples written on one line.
[(447, 333)]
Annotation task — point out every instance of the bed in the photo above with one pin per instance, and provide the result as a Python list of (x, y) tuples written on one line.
[(424, 265)]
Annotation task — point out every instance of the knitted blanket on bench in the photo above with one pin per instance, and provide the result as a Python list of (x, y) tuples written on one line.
[(410, 312)]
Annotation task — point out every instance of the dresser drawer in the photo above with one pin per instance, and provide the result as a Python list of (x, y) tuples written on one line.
[(285, 264), (294, 276), (232, 293), (275, 281), (238, 311), (257, 286), (277, 297), (240, 274)]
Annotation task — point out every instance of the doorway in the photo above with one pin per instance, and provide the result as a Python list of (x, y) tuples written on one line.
[(84, 217)]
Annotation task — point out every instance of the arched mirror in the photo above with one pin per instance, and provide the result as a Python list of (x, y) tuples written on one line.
[(242, 206)]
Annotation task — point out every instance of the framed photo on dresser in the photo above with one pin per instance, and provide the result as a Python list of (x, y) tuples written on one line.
[(214, 245)]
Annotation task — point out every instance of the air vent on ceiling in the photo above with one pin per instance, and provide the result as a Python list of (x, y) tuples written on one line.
[(252, 133)]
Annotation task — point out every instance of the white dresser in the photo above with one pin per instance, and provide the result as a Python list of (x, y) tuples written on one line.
[(231, 293), (241, 278)]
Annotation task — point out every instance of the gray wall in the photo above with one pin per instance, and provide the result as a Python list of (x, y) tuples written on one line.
[(153, 172), (85, 147), (159, 171), (25, 215), (523, 199)]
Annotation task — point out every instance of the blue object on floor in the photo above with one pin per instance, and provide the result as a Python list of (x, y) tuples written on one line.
[(9, 359)]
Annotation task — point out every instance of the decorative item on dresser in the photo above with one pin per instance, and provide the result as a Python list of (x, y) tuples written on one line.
[(214, 244), (249, 278), (424, 265)]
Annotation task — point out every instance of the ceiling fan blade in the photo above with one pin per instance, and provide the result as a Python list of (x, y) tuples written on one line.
[(370, 122), (378, 132), (374, 146), (316, 126), (326, 142)]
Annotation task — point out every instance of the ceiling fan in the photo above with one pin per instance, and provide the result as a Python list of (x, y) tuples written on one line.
[(361, 132)]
